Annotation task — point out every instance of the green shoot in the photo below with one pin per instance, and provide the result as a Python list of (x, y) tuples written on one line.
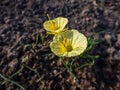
[(48, 17), (101, 87), (84, 65), (38, 75), (71, 64), (36, 41), (42, 38), (17, 84), (91, 42), (69, 70), (10, 77), (86, 54)]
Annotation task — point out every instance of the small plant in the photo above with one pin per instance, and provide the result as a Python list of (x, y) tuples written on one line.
[(69, 44)]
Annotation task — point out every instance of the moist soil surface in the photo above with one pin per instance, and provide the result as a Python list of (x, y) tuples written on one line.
[(25, 55)]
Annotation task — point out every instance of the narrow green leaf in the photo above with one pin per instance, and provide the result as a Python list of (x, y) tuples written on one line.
[(17, 84)]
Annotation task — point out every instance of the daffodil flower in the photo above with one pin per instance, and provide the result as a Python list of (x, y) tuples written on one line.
[(68, 44), (55, 26)]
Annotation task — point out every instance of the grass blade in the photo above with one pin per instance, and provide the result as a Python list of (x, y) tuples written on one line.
[(12, 75), (66, 66), (32, 70), (17, 84)]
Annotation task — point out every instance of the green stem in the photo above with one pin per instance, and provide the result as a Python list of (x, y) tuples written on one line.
[(66, 66), (52, 24), (36, 42), (71, 64), (92, 58), (13, 75), (84, 65), (17, 84), (32, 70), (88, 64), (48, 17)]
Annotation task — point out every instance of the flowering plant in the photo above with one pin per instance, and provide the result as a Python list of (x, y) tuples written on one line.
[(69, 43)]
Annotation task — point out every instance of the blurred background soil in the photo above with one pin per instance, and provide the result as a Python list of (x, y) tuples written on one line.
[(21, 23)]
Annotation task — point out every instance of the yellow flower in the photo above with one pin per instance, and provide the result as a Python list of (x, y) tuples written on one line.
[(68, 44), (56, 25)]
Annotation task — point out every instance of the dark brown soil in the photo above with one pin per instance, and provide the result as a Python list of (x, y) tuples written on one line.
[(21, 21)]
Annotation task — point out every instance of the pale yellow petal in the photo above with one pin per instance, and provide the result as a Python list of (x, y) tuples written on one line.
[(71, 54), (61, 22), (47, 25), (57, 48), (79, 41), (66, 34)]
